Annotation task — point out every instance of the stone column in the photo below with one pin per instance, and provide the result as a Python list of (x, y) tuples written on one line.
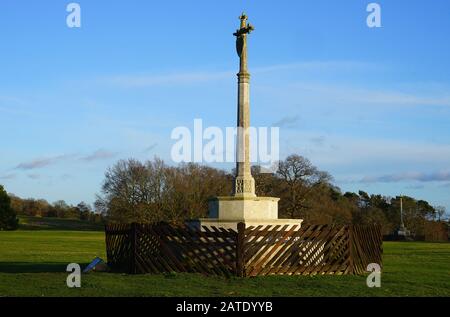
[(243, 206), (244, 184)]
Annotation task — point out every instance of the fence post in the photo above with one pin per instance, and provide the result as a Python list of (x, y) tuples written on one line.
[(350, 249), (240, 265), (108, 256), (380, 241), (133, 247)]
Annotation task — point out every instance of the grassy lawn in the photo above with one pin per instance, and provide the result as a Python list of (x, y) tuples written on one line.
[(32, 263)]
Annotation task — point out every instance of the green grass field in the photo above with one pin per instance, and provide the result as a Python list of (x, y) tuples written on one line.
[(32, 263)]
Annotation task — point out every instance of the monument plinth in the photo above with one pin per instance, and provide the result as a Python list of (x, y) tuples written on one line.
[(244, 205)]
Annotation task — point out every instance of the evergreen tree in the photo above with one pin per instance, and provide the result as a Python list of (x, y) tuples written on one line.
[(8, 218)]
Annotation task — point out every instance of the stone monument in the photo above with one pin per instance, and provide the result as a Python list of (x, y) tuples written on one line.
[(244, 205)]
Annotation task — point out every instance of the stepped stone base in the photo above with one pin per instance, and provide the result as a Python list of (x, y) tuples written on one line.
[(228, 211), (232, 224), (243, 207)]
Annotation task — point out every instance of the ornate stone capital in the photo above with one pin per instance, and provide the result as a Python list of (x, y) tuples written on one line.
[(243, 77), (244, 186)]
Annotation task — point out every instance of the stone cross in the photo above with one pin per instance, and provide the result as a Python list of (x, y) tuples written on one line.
[(244, 184), (241, 42), (243, 206)]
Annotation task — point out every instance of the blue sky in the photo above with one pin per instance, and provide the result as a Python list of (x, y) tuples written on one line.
[(369, 105)]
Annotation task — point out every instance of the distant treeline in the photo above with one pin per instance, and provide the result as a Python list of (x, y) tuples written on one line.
[(58, 209), (152, 191)]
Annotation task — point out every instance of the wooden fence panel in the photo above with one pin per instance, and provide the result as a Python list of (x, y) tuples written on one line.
[(118, 247), (161, 248), (314, 249), (367, 247), (252, 251)]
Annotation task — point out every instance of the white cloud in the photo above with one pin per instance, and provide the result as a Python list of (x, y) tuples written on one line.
[(441, 176), (353, 95), (147, 80), (287, 122), (100, 154), (165, 79), (43, 162), (34, 176), (150, 148), (8, 176), (347, 150), (319, 66)]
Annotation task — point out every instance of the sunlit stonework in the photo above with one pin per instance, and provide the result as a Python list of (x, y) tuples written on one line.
[(244, 205)]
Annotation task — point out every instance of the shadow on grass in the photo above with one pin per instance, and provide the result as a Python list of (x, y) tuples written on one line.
[(34, 227), (33, 267), (50, 223)]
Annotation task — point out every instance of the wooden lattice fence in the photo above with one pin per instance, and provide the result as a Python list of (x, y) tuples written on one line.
[(162, 248), (252, 251)]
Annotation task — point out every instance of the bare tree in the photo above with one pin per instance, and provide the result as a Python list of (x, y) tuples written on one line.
[(194, 184), (299, 178), (152, 192), (440, 211), (133, 191)]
